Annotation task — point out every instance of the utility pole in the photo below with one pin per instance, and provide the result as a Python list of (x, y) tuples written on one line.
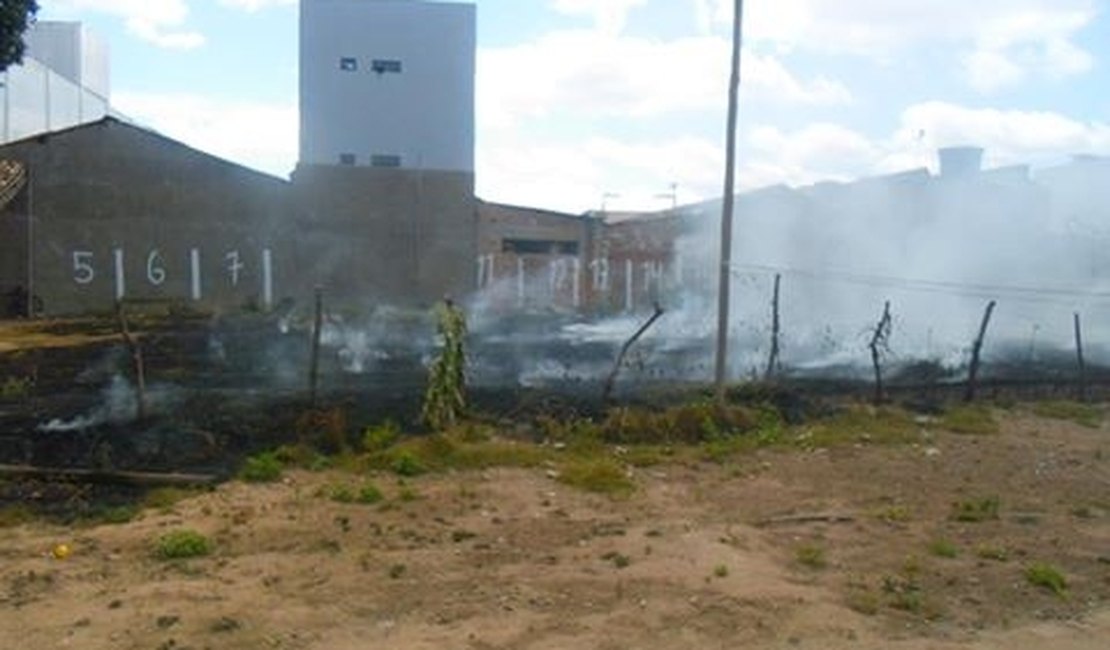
[(726, 210)]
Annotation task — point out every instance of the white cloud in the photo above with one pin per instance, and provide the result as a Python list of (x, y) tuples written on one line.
[(160, 22), (1009, 136), (255, 134), (588, 73), (989, 70), (609, 15), (255, 5), (573, 176), (1004, 41), (813, 153)]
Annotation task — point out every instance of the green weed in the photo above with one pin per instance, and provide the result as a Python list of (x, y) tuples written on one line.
[(601, 475), (1046, 576), (976, 510), (1082, 414), (970, 419), (943, 548), (263, 468), (381, 436), (183, 543), (15, 515), (810, 556), (990, 552)]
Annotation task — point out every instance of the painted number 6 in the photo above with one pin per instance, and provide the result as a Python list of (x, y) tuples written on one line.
[(155, 272)]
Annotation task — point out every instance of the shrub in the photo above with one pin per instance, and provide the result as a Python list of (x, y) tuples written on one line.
[(943, 548), (977, 510), (810, 556), (263, 468), (183, 543), (370, 494), (380, 437), (405, 463), (1040, 574)]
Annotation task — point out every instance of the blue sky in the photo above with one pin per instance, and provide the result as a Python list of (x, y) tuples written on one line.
[(582, 98)]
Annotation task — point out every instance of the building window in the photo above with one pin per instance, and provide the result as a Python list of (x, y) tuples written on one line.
[(385, 160), (386, 65), (348, 64), (346, 159), (539, 247)]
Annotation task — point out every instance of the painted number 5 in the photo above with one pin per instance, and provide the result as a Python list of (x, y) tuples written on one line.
[(82, 267)]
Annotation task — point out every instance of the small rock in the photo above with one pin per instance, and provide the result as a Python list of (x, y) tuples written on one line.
[(932, 452), (167, 621)]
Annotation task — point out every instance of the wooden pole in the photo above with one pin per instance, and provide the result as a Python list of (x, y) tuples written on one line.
[(976, 348), (314, 362), (773, 358), (878, 342), (1082, 365), (137, 362), (611, 380), (724, 283)]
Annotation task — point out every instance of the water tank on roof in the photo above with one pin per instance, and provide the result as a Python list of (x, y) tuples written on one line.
[(957, 162)]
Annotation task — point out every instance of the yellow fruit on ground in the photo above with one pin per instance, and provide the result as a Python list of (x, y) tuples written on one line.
[(61, 551)]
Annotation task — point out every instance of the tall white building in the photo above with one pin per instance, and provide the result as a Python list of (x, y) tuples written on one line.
[(62, 82), (387, 83)]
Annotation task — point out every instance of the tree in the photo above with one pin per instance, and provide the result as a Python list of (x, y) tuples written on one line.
[(15, 17)]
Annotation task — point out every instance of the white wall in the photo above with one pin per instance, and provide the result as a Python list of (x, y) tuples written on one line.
[(72, 51), (424, 114)]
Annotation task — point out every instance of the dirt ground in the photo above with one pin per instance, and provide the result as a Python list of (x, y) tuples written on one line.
[(850, 547)]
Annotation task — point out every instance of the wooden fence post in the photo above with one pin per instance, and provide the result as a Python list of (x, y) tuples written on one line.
[(879, 341), (773, 358), (976, 348)]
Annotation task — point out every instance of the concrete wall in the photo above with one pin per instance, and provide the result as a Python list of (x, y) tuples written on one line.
[(386, 235), (554, 273), (120, 211), (423, 113)]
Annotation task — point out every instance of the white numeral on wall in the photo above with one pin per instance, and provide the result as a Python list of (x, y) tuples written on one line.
[(83, 272)]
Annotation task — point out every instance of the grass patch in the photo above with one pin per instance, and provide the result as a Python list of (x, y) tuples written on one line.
[(457, 450), (14, 388), (619, 560), (859, 423), (114, 515), (181, 544), (600, 475), (15, 515), (720, 571), (893, 514), (943, 548), (970, 419), (1082, 414), (976, 510), (991, 552), (263, 468), (164, 498), (1046, 576), (810, 556)]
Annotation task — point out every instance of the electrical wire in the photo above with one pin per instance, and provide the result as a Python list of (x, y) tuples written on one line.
[(1055, 295)]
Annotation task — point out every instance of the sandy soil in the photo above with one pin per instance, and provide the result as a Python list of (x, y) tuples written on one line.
[(700, 556)]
